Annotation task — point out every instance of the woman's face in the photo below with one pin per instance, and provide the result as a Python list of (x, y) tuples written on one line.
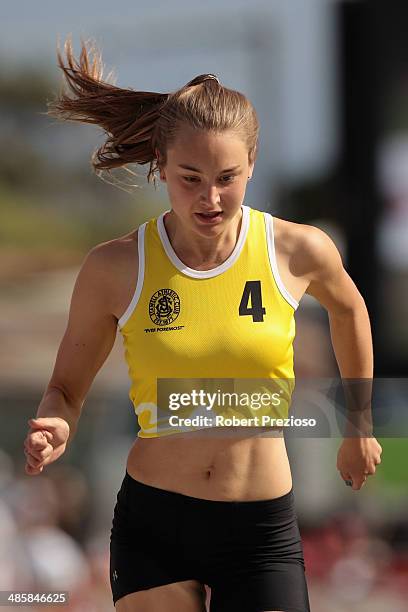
[(206, 173)]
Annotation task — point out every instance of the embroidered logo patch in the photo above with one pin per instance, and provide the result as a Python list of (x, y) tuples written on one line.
[(164, 307)]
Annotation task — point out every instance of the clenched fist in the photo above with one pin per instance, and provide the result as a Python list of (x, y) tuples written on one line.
[(358, 458), (45, 442)]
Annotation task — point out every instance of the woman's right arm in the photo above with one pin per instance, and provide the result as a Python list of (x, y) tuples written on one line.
[(85, 346)]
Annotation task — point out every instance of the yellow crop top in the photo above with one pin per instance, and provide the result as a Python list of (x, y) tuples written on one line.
[(235, 321)]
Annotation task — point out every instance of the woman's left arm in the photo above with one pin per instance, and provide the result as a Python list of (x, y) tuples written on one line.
[(350, 333)]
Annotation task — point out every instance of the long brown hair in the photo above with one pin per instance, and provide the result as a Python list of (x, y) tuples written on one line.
[(141, 125)]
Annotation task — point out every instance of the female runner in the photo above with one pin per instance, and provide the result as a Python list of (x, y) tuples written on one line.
[(208, 290)]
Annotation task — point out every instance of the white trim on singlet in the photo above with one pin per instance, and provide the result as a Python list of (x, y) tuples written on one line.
[(140, 276), (171, 254), (270, 238)]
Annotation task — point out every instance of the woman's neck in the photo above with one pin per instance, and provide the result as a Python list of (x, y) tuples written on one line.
[(195, 250)]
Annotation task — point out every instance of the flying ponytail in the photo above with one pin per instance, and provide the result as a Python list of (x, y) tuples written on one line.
[(140, 124)]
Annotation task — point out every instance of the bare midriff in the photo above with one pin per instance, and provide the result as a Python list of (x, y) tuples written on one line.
[(214, 465)]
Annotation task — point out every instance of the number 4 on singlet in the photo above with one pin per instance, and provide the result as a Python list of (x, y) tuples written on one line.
[(252, 290)]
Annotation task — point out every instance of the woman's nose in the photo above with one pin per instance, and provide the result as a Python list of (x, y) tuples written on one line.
[(210, 194)]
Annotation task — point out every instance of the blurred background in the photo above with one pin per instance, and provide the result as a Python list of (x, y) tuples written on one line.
[(329, 81)]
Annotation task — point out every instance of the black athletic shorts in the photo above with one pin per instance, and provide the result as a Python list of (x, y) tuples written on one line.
[(248, 552)]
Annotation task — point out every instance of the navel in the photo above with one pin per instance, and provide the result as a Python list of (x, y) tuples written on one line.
[(209, 472)]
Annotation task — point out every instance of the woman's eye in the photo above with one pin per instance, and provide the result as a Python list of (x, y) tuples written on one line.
[(192, 179)]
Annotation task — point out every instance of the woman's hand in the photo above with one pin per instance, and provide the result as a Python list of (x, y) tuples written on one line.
[(45, 442), (357, 458)]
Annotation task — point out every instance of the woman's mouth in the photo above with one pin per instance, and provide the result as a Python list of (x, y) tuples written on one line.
[(210, 217)]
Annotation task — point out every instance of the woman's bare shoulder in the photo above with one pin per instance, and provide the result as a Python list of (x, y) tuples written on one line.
[(288, 235), (307, 246), (114, 265)]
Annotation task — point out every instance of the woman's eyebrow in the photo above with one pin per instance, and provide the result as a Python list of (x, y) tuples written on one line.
[(186, 167)]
